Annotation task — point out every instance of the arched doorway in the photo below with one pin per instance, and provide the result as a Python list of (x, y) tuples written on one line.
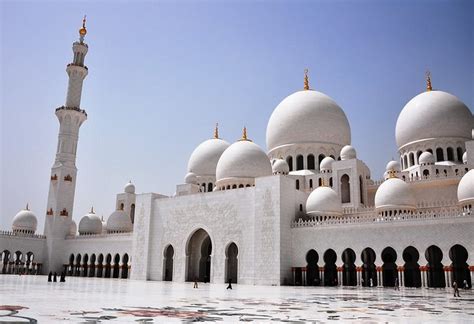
[(108, 260), (71, 265), (78, 265), (312, 269), (198, 256), (116, 266), (412, 273), (389, 267), (460, 269), (124, 266), (434, 255), (92, 266), (369, 271), (85, 265), (231, 263), (168, 273), (100, 266), (349, 274), (5, 260), (330, 269)]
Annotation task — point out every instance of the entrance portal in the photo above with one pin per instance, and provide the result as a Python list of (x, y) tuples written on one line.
[(231, 263), (198, 257)]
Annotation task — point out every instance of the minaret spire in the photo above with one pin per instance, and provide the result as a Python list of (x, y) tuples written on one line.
[(306, 79), (428, 81), (244, 135), (83, 30), (216, 131)]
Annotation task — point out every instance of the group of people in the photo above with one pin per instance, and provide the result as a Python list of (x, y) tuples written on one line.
[(229, 286), (53, 277), (465, 285)]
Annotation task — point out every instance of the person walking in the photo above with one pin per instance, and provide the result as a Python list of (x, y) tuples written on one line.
[(63, 277), (230, 284), (55, 277), (456, 289), (50, 275), (195, 283), (465, 285)]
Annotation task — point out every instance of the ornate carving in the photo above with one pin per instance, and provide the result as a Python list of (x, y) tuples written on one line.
[(54, 177), (64, 212), (49, 212), (68, 178)]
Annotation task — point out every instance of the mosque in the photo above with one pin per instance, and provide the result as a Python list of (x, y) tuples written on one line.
[(304, 212)]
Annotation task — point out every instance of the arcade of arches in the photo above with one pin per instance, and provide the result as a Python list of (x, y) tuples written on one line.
[(100, 266), (403, 270), (19, 263)]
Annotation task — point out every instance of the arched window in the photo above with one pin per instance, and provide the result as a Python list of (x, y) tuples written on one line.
[(289, 160), (320, 182), (450, 152), (297, 184), (330, 182), (345, 189), (412, 159), (301, 207), (311, 183), (426, 173), (209, 187), (132, 213), (299, 162), (311, 162), (320, 158), (460, 153), (439, 154), (405, 162)]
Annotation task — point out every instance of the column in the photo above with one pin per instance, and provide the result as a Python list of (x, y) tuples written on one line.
[(322, 276), (401, 278), (293, 273), (358, 276), (447, 273), (424, 282), (303, 275)]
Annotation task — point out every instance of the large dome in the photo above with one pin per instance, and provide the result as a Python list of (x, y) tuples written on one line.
[(90, 224), (433, 114), (466, 188), (243, 159), (25, 221), (394, 194), (324, 201), (203, 160), (119, 222), (307, 116)]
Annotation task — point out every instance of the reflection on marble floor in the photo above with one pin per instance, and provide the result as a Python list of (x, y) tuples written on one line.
[(32, 299)]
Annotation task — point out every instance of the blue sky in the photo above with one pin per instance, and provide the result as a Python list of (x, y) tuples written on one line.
[(162, 73)]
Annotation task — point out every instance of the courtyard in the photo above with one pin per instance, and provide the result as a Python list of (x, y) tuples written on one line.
[(93, 300)]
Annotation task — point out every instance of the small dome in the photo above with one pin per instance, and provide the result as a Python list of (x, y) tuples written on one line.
[(426, 158), (432, 115), (243, 159), (280, 166), (25, 221), (393, 165), (190, 178), (72, 228), (307, 116), (90, 224), (323, 201), (394, 194), (129, 188), (119, 221), (466, 188), (348, 152), (326, 164), (464, 158), (203, 160)]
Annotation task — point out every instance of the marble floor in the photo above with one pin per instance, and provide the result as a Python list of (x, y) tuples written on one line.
[(92, 300)]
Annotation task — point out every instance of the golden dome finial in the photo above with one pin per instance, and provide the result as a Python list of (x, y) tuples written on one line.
[(27, 206), (306, 79), (391, 174), (92, 210), (244, 135), (428, 81), (216, 131), (83, 30)]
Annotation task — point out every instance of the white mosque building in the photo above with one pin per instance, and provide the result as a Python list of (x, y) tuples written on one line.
[(304, 212)]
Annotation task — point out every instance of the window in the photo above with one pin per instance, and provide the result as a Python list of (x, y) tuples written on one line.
[(297, 184), (439, 154), (311, 183), (345, 189), (459, 154), (299, 162), (450, 152), (311, 162), (289, 160)]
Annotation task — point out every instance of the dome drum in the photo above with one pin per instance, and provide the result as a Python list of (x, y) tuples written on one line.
[(394, 195), (25, 222), (234, 183)]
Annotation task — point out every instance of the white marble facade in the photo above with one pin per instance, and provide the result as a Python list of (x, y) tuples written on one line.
[(243, 214)]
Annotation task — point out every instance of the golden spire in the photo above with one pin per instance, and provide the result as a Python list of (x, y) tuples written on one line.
[(216, 131), (244, 135), (27, 207), (83, 30), (92, 210), (428, 81), (306, 80)]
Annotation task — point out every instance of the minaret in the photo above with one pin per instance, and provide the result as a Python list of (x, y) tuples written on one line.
[(64, 171)]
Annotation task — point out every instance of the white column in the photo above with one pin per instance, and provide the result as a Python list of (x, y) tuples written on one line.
[(359, 283)]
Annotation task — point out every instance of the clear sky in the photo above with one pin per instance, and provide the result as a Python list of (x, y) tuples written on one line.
[(162, 73)]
